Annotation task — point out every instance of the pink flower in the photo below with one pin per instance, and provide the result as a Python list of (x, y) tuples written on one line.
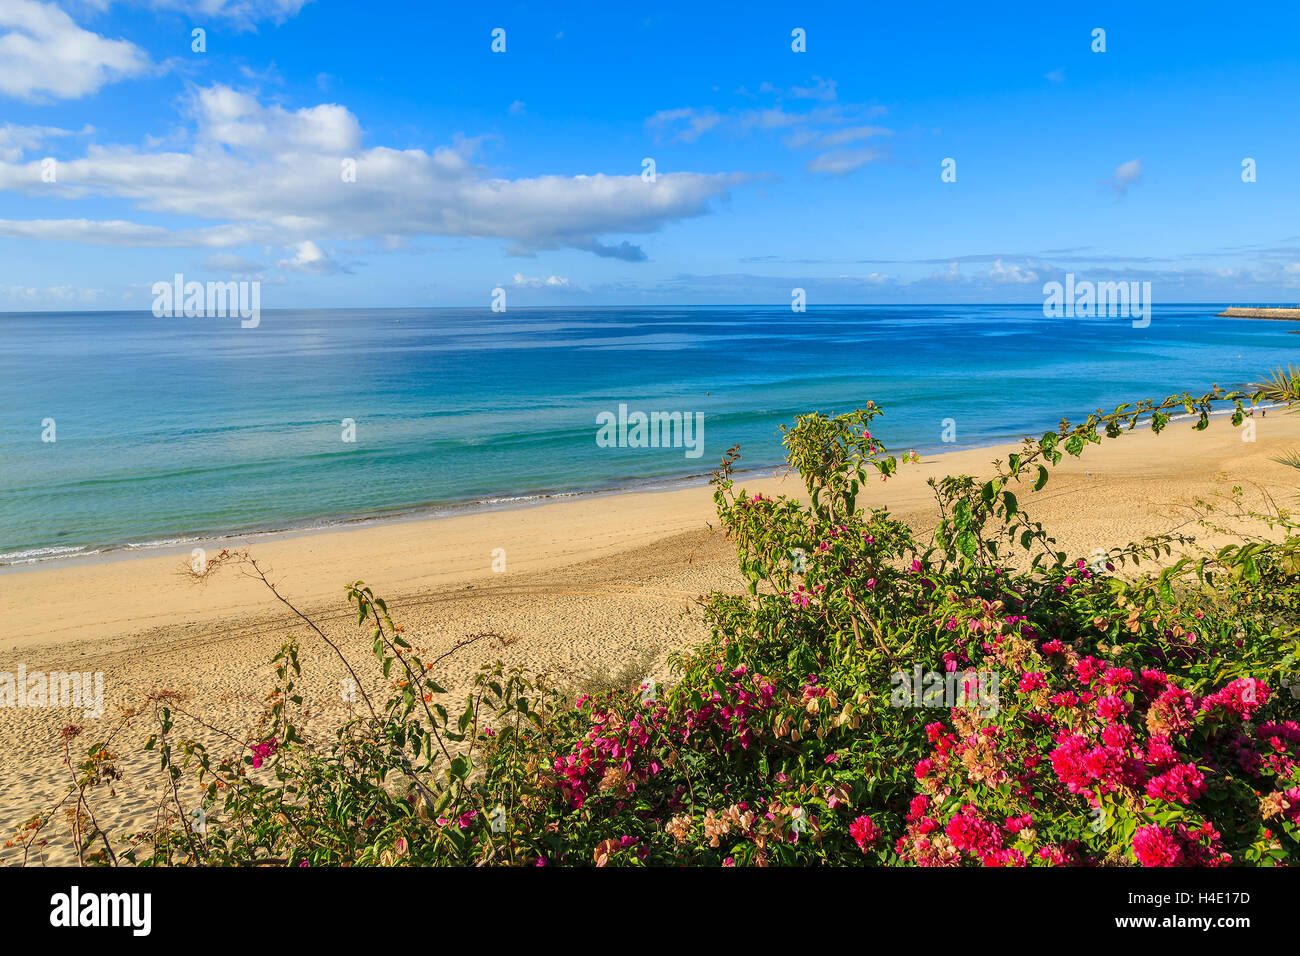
[(1016, 824), (1242, 697), (1156, 846), (864, 832), (1087, 669), (262, 751), (1160, 752), (1173, 712), (1116, 675), (1032, 681), (968, 831), (1181, 783), (1112, 707)]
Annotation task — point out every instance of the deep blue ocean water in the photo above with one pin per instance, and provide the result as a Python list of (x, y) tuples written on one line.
[(172, 429)]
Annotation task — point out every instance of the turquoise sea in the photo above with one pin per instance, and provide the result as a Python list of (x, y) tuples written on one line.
[(169, 430)]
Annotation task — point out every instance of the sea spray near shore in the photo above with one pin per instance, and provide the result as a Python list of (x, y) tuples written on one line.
[(175, 430)]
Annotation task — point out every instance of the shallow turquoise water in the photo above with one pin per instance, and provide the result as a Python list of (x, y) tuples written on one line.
[(170, 429)]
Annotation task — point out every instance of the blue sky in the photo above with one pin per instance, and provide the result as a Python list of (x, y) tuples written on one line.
[(774, 169)]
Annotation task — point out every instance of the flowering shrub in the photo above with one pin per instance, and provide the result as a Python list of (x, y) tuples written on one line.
[(1137, 717)]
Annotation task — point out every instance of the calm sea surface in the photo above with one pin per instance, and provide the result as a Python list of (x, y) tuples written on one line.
[(175, 429)]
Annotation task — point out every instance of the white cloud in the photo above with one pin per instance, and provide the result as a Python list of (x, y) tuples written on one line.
[(839, 162), (1013, 273), (851, 134), (697, 122), (522, 281), (819, 90), (951, 274), (245, 14), (687, 124), (825, 127), (117, 232), (267, 174), (1125, 175), (17, 140), (777, 117), (45, 55), (311, 260), (43, 298)]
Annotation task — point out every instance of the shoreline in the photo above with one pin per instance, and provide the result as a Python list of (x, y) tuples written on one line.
[(108, 553), (420, 554), (172, 547)]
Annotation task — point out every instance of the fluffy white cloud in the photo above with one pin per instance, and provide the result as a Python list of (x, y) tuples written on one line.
[(15, 141), (44, 54), (310, 259), (268, 174), (1013, 273), (950, 274)]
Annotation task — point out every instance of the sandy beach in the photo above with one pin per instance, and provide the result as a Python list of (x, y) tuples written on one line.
[(590, 585)]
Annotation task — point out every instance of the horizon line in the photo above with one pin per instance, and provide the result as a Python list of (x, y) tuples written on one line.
[(660, 305)]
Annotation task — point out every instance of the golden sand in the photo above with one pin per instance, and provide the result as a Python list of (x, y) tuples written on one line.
[(589, 585)]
